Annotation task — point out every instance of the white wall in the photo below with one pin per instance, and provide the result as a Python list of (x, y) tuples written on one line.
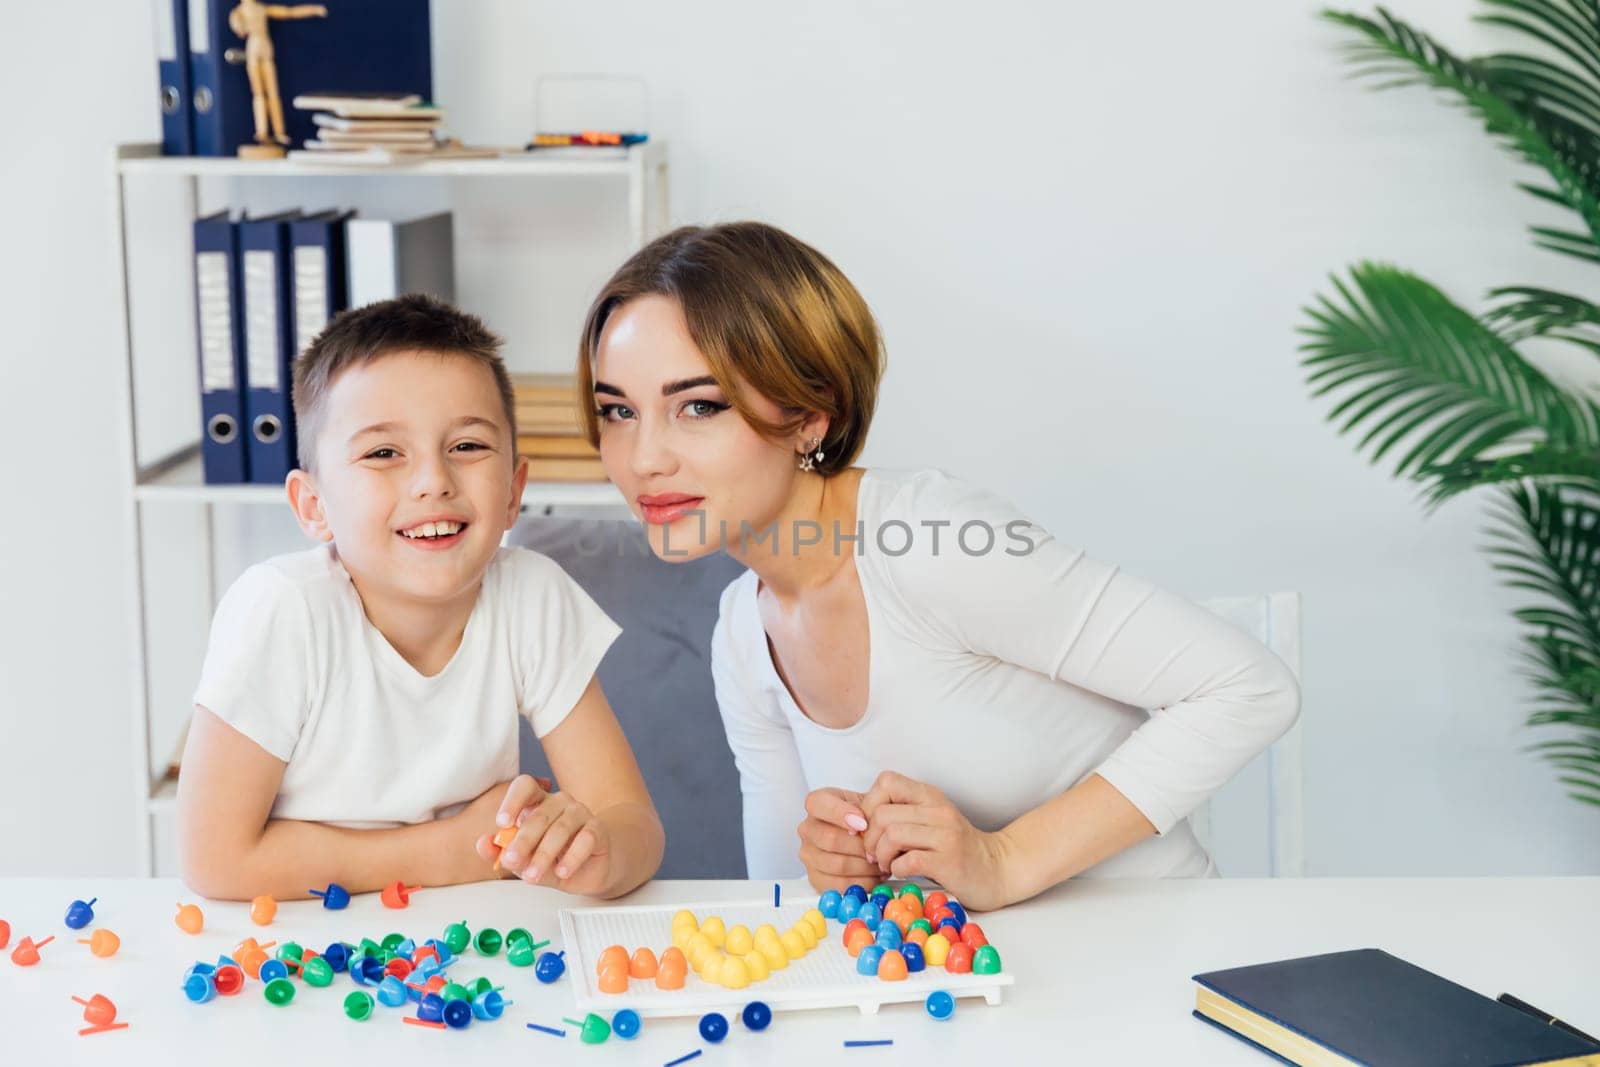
[(1087, 232)]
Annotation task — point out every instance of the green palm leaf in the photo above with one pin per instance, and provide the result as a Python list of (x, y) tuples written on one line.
[(1387, 45), (1579, 468), (1547, 541), (1407, 365)]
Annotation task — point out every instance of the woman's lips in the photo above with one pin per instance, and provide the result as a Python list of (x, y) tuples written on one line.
[(667, 508)]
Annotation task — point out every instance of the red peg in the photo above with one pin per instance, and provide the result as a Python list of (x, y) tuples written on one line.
[(398, 895), (100, 1014), (98, 1010), (5, 933), (26, 954)]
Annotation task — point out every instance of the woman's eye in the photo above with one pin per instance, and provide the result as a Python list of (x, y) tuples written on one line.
[(382, 453), (614, 412), (703, 409)]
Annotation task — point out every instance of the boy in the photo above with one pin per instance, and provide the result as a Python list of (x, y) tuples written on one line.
[(356, 717)]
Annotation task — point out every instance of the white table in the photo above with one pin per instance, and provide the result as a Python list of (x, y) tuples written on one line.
[(1102, 973)]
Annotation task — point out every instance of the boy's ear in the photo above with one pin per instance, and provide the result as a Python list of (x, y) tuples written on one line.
[(519, 480), (307, 505)]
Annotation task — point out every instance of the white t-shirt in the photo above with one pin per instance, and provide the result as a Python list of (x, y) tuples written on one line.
[(295, 665), (1003, 680)]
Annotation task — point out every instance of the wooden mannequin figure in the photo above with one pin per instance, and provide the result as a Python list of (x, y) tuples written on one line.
[(251, 20)]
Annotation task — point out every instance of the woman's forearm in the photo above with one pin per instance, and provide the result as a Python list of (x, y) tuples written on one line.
[(1067, 835)]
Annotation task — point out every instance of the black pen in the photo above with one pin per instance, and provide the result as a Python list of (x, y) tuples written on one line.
[(1549, 1020)]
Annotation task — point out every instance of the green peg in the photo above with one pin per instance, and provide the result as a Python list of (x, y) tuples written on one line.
[(457, 937), (291, 950), (595, 1029), (882, 887), (369, 947), (358, 1005), (480, 987), (986, 960), (390, 941), (923, 925), (517, 933), (279, 991), (520, 954), (488, 941), (318, 972), (911, 889), (454, 991)]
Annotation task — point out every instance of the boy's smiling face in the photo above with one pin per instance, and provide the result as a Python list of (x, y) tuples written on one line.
[(416, 477)]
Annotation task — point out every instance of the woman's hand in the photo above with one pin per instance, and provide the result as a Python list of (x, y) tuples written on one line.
[(559, 842), (912, 829), (830, 840)]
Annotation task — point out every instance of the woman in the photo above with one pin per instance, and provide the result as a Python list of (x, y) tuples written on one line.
[(930, 684)]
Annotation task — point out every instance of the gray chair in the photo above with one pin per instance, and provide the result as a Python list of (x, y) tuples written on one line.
[(657, 678)]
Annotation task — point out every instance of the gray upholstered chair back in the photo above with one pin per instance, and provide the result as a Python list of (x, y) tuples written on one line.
[(658, 679)]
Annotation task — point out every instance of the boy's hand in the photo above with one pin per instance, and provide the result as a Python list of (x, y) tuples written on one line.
[(831, 847), (559, 843)]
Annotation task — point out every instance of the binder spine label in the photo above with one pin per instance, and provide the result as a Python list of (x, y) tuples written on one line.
[(199, 26), (216, 321), (166, 32), (310, 295), (261, 319)]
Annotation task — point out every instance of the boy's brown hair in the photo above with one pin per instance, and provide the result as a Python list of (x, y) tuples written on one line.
[(764, 308), (411, 323)]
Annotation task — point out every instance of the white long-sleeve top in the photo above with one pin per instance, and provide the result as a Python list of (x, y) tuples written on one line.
[(1002, 677)]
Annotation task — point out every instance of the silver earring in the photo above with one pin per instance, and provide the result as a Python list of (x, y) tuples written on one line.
[(812, 455)]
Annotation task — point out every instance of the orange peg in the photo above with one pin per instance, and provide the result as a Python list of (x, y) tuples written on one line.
[(102, 943), (262, 910), (100, 1014), (398, 894), (189, 919), (643, 964)]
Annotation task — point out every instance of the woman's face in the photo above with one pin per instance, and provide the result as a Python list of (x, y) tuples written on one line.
[(685, 460)]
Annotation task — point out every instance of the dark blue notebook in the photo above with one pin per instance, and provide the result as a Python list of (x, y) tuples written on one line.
[(1368, 1007)]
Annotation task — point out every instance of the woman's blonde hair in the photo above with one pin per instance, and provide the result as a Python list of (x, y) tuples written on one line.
[(767, 310)]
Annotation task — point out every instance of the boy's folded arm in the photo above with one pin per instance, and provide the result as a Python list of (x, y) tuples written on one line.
[(593, 762), (231, 849)]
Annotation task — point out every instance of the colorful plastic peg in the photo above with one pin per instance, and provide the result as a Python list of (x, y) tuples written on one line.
[(488, 941), (26, 954), (5, 933), (229, 980), (199, 988), (595, 1029), (357, 1005), (490, 1006), (940, 1005), (279, 991), (643, 964), (502, 837), (317, 972), (102, 943), (756, 1015), (713, 1027), (334, 898), (262, 910), (625, 1024), (457, 1014), (80, 914), (457, 937), (550, 967), (100, 1014), (398, 894), (190, 919), (986, 960)]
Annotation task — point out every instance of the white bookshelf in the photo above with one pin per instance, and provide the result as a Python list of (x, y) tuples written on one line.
[(175, 480)]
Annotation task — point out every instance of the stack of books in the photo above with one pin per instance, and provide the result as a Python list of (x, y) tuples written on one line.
[(549, 430), (376, 128)]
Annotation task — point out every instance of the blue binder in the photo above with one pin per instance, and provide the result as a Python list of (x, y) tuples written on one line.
[(360, 46), (317, 268), (268, 345), (172, 61), (219, 90), (216, 282)]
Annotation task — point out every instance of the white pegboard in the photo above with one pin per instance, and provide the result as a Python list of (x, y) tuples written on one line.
[(824, 978)]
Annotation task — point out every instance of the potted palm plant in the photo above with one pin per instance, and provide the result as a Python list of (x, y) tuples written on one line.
[(1445, 396)]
